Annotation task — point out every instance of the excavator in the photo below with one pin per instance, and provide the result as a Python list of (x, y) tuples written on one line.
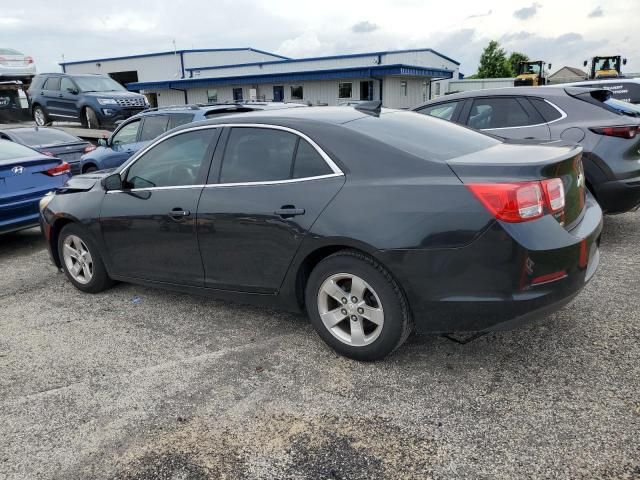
[(605, 67), (531, 74)]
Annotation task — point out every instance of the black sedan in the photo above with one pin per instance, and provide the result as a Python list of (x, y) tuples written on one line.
[(51, 142), (607, 128), (376, 222)]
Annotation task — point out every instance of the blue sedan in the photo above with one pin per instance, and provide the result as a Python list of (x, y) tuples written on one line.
[(25, 177)]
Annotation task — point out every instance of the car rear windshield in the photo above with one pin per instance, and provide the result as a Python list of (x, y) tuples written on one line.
[(9, 51), (45, 136), (625, 108), (97, 84), (423, 136), (11, 151)]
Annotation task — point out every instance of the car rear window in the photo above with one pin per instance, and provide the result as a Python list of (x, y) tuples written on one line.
[(625, 108), (422, 135), (11, 150), (544, 108), (44, 136), (153, 126), (9, 51)]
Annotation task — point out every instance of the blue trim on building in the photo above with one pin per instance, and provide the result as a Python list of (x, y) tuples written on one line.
[(332, 57), (329, 74), (172, 52)]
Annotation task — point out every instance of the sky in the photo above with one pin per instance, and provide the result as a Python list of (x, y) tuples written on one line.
[(561, 32)]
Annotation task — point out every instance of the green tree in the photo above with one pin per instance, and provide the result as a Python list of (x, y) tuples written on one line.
[(493, 62), (514, 61)]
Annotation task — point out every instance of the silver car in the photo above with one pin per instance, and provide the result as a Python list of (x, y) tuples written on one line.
[(15, 65)]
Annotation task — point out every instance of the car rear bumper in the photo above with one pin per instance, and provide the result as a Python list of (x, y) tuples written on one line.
[(511, 274), (618, 196)]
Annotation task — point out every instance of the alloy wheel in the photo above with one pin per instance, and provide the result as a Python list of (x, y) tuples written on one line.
[(77, 259), (38, 115), (350, 309)]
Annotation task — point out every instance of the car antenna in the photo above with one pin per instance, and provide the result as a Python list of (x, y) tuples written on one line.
[(373, 107)]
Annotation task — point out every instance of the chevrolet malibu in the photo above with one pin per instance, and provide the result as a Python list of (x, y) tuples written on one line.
[(375, 222)]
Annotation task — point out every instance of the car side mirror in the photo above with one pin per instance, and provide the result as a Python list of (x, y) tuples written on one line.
[(112, 182), (73, 91), (549, 66), (624, 61), (102, 142), (585, 63)]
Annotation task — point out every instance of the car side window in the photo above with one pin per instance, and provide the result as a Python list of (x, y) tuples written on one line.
[(52, 83), (153, 126), (548, 112), (177, 119), (127, 134), (174, 162), (308, 162), (499, 112), (66, 84), (257, 155), (442, 110)]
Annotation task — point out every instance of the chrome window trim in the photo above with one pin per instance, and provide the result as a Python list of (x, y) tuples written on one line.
[(334, 168), (562, 113)]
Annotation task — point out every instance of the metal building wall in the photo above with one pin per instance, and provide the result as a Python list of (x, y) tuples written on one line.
[(158, 67), (393, 95)]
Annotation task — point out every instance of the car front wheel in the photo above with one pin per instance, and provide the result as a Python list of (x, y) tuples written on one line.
[(91, 118), (357, 307), (81, 260)]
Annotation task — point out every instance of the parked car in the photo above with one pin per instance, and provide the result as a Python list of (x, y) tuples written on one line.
[(93, 100), (374, 222), (606, 128), (26, 176), (15, 65), (51, 142), (136, 132)]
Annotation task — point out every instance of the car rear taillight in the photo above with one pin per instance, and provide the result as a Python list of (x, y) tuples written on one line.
[(521, 201), (28, 60), (59, 170), (89, 148), (47, 153), (554, 192), (625, 131)]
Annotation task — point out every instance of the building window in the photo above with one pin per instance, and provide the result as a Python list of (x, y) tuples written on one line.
[(403, 89), (437, 89), (344, 90), (297, 92), (237, 94), (424, 91), (212, 96)]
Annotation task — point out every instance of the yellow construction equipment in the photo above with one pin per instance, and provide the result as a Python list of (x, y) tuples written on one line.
[(606, 67), (531, 74)]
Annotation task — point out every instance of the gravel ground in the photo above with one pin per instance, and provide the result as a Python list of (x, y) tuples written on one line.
[(138, 383)]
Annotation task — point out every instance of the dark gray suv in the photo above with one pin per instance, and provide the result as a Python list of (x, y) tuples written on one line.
[(607, 129), (93, 100)]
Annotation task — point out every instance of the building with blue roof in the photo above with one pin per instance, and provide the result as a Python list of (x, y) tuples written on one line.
[(400, 78)]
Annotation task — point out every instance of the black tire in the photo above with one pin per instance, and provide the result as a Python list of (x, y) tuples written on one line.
[(40, 116), (90, 168), (91, 118), (398, 322), (99, 280)]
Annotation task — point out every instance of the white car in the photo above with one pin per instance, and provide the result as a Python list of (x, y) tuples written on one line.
[(15, 65)]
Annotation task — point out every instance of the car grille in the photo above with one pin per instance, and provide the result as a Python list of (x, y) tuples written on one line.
[(130, 102)]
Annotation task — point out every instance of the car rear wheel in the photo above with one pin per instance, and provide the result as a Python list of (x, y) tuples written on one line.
[(357, 307), (40, 116), (91, 118), (81, 260), (90, 168)]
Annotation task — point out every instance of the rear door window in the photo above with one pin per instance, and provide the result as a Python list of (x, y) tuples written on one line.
[(153, 126), (501, 112), (52, 83), (544, 108), (308, 162), (442, 110), (177, 119)]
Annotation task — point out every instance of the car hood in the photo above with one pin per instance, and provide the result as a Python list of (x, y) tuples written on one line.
[(118, 94), (87, 181)]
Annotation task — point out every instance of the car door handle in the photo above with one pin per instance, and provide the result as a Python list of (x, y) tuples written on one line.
[(60, 96), (288, 211), (178, 213)]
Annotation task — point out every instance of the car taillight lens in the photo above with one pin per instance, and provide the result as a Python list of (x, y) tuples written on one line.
[(628, 131), (521, 201), (28, 60), (554, 192), (89, 148), (48, 154), (59, 170)]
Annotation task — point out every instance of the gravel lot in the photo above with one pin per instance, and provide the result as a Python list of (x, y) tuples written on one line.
[(137, 383)]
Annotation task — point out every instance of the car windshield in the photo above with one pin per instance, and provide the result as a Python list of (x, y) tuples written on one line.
[(9, 51), (97, 84), (10, 151), (44, 136), (424, 136), (625, 108)]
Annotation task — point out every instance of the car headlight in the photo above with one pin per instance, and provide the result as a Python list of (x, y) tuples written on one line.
[(46, 200), (107, 101)]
